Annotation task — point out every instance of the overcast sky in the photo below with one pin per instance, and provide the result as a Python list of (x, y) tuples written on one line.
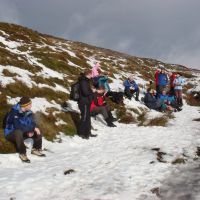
[(168, 30)]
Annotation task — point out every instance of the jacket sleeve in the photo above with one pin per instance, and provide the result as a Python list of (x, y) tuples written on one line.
[(126, 84), (95, 99)]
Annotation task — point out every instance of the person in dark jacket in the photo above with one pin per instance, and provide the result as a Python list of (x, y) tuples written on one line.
[(99, 106), (86, 96), (21, 125), (156, 78), (131, 87), (152, 102), (162, 81)]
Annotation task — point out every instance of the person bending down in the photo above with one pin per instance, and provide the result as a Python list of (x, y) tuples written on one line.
[(20, 125), (99, 106)]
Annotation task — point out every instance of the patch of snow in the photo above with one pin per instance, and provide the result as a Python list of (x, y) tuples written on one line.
[(38, 104), (10, 44)]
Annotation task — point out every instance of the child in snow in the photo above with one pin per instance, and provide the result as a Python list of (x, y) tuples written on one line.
[(131, 87), (178, 87), (20, 125), (99, 106)]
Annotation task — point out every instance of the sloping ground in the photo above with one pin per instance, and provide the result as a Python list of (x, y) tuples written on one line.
[(122, 163), (43, 67)]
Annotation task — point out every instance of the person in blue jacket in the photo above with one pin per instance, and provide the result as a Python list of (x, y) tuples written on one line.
[(131, 88), (169, 100), (20, 125), (162, 81)]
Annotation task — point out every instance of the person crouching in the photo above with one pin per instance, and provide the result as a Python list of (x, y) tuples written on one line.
[(21, 125), (99, 106)]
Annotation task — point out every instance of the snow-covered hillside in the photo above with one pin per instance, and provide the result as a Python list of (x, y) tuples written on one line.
[(130, 161), (122, 163)]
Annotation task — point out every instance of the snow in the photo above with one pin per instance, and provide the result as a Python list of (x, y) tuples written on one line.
[(115, 165), (10, 44), (38, 104), (5, 80)]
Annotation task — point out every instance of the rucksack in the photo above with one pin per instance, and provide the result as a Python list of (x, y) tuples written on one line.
[(5, 120), (75, 92)]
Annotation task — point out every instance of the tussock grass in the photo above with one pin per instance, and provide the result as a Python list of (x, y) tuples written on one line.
[(18, 89), (192, 99), (7, 73), (157, 121)]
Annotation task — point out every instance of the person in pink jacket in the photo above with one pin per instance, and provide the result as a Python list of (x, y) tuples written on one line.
[(95, 70)]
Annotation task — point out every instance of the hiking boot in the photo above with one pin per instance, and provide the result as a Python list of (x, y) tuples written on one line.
[(110, 123), (37, 152), (24, 158), (92, 135), (114, 119)]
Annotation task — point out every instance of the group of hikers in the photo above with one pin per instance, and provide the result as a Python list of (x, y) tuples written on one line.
[(19, 123)]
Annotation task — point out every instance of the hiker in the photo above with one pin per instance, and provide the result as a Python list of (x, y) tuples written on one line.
[(172, 77), (99, 106), (178, 87), (20, 125), (98, 78), (162, 81), (131, 88), (84, 102), (152, 102), (156, 78), (170, 100)]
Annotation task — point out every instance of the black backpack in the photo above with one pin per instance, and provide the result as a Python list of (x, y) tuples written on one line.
[(5, 120), (75, 91)]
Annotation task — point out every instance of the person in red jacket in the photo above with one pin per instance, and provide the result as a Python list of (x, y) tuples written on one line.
[(99, 106), (172, 77), (156, 78)]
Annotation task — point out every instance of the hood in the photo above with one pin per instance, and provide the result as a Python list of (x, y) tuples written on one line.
[(17, 109)]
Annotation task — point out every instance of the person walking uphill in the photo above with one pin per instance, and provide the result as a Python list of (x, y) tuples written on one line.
[(85, 99), (20, 125)]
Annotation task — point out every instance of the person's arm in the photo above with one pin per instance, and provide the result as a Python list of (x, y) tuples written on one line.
[(167, 79), (18, 124)]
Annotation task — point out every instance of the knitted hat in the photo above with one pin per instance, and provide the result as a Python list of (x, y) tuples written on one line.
[(25, 101)]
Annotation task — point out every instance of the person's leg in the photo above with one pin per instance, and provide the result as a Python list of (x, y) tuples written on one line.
[(101, 110), (85, 123), (180, 94), (37, 141), (16, 137), (137, 92), (128, 93), (110, 114)]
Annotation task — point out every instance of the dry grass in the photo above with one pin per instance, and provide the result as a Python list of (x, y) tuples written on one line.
[(192, 99)]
